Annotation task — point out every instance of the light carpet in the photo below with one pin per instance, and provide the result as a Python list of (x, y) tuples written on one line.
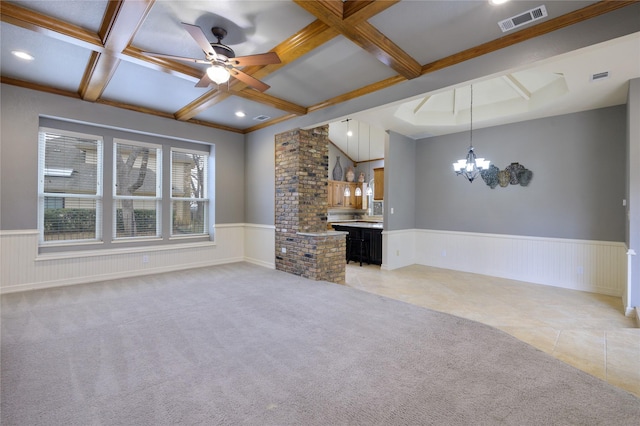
[(245, 345)]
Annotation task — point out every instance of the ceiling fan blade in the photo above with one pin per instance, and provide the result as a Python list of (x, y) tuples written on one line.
[(205, 81), (177, 58), (198, 35), (260, 59), (247, 79)]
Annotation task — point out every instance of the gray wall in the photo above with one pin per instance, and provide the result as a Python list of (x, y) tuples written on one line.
[(400, 182), (578, 185), (20, 112), (260, 177)]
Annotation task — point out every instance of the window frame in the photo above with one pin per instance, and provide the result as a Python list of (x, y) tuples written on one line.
[(205, 200), (157, 199), (45, 197)]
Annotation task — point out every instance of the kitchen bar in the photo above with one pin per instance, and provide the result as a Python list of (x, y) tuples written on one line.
[(364, 241)]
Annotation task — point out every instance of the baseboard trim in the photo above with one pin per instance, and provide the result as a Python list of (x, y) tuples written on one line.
[(258, 262), (113, 276)]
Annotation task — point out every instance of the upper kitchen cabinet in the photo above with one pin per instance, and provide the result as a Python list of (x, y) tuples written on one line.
[(338, 199), (378, 184)]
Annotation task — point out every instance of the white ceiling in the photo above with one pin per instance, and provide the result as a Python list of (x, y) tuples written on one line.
[(325, 65)]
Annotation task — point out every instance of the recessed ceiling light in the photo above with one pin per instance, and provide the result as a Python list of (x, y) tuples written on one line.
[(496, 2), (22, 55), (240, 114)]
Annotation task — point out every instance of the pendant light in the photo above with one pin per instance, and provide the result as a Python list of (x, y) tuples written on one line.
[(347, 190), (470, 166), (358, 189), (369, 190)]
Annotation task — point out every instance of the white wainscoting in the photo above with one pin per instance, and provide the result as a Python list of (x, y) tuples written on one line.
[(260, 245), (593, 266), (22, 268), (398, 248)]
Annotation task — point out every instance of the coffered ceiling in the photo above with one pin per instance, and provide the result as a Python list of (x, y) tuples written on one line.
[(331, 52)]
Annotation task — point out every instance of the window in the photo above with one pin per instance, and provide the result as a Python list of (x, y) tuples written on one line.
[(189, 202), (69, 187), (137, 189), (102, 188)]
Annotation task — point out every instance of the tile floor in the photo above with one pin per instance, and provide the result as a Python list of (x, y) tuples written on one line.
[(586, 330)]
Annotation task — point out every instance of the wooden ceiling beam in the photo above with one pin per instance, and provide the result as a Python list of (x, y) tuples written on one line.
[(364, 34), (38, 87), (201, 104), (266, 99), (525, 34), (50, 27), (356, 11), (169, 66), (122, 20)]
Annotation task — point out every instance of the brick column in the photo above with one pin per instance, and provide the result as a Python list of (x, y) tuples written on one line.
[(303, 245)]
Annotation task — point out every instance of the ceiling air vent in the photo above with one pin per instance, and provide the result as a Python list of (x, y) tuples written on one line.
[(261, 118), (599, 76), (522, 19)]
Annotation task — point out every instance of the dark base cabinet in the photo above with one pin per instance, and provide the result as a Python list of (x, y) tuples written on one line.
[(372, 238)]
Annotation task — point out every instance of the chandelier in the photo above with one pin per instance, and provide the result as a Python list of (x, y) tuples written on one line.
[(470, 166)]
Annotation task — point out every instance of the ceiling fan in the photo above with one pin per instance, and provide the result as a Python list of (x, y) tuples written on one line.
[(222, 59)]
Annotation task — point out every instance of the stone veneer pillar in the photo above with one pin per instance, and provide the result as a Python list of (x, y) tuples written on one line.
[(304, 246)]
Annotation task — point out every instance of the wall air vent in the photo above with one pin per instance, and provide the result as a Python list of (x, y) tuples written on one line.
[(599, 76), (261, 118), (523, 18)]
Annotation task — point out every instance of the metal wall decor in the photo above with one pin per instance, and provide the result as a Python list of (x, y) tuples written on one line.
[(513, 174)]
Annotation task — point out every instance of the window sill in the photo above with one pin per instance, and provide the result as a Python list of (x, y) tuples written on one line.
[(120, 251)]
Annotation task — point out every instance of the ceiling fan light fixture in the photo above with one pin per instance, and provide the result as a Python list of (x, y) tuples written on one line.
[(218, 74)]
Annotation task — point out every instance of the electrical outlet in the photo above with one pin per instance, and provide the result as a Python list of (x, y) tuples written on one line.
[(145, 258), (443, 253), (284, 249)]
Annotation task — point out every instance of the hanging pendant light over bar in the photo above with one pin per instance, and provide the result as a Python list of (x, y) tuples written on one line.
[(369, 190), (347, 190), (470, 166), (358, 190)]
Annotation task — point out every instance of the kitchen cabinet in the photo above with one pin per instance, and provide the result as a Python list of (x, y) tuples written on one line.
[(336, 193), (378, 184), (336, 196)]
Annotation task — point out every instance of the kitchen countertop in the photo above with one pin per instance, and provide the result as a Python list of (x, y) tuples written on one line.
[(359, 224), (355, 220)]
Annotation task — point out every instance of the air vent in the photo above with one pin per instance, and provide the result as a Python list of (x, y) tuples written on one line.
[(600, 76), (261, 118), (523, 19)]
